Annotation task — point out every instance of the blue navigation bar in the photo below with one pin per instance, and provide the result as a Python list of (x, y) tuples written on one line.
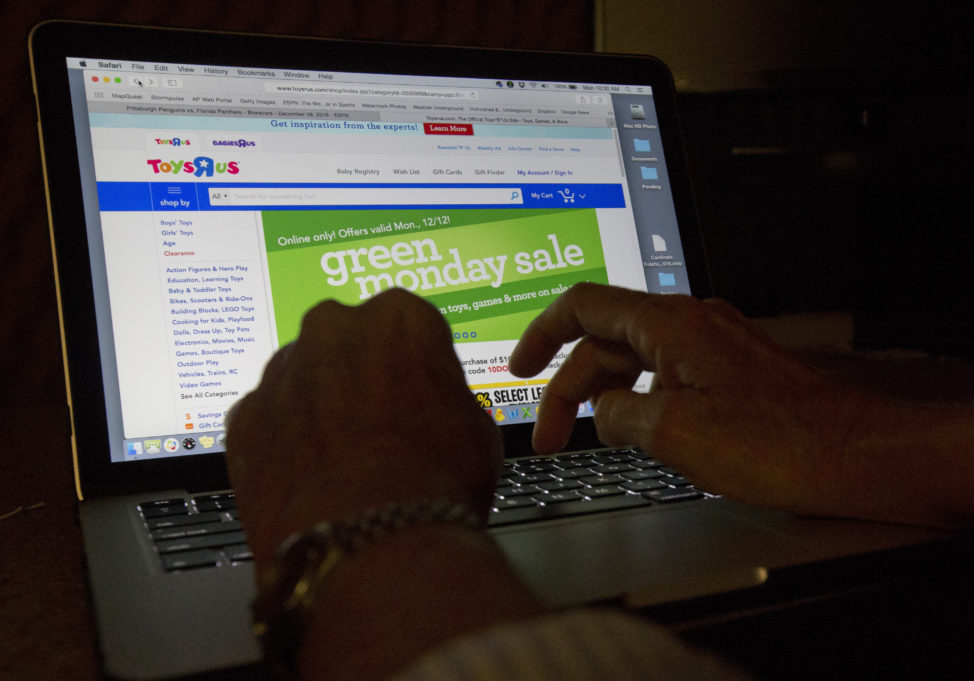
[(207, 196)]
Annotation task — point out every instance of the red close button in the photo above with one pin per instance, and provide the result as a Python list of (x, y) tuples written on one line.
[(448, 128)]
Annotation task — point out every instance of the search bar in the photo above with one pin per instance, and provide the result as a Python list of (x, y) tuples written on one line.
[(365, 196)]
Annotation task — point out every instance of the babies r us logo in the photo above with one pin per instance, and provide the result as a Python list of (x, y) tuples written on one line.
[(200, 166)]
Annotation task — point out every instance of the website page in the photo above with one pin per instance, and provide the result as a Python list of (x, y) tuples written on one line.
[(230, 201)]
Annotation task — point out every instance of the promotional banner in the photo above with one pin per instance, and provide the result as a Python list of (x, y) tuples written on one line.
[(489, 271)]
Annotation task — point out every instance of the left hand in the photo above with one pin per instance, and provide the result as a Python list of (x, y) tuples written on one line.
[(368, 406)]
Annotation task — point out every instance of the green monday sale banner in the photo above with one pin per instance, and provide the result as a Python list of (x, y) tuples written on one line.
[(489, 271)]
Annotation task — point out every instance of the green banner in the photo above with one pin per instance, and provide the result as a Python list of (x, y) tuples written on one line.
[(488, 271)]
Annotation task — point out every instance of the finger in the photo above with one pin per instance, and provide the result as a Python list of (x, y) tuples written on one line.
[(736, 320), (610, 313), (322, 327), (624, 417), (671, 425), (593, 366)]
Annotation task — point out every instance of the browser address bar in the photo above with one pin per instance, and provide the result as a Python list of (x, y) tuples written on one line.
[(425, 91), (365, 196)]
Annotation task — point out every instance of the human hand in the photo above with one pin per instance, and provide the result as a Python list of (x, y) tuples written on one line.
[(368, 406), (728, 408)]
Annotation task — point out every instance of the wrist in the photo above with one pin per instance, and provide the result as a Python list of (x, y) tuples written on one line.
[(395, 599), (291, 584), (367, 482), (912, 461)]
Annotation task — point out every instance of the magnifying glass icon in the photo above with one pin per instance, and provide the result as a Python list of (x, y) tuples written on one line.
[(515, 195)]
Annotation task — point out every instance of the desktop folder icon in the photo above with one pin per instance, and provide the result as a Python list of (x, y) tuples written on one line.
[(667, 279), (649, 173), (641, 145)]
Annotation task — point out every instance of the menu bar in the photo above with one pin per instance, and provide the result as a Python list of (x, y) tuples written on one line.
[(161, 69)]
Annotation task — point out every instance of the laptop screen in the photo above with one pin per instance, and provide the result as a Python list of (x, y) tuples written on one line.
[(222, 202)]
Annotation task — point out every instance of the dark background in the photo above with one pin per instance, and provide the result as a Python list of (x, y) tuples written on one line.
[(844, 185)]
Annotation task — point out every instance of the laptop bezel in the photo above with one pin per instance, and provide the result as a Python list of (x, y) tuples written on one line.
[(51, 43)]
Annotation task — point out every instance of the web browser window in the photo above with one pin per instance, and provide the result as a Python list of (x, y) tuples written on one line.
[(225, 202)]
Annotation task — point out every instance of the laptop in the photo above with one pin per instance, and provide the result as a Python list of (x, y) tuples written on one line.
[(205, 189)]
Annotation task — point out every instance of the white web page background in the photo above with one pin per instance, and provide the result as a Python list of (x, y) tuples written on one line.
[(165, 380), (163, 265)]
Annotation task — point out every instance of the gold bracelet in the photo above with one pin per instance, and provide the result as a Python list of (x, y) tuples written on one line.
[(288, 590)]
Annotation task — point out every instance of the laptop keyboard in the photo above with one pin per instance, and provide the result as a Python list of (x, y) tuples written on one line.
[(585, 482), (205, 530), (202, 532)]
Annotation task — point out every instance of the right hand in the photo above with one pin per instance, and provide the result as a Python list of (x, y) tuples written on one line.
[(728, 408)]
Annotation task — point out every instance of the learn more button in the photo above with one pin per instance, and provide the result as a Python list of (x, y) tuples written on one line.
[(448, 128)]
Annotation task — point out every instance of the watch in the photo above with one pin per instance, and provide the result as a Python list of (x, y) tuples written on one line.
[(287, 591)]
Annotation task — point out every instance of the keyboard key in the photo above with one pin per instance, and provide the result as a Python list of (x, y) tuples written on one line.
[(169, 533), (206, 505), (566, 510), (608, 468), (610, 458), (195, 530), (215, 496), (239, 553), (161, 502), (648, 474), (642, 485), (559, 486), (510, 491), (531, 479), (574, 461), (549, 498), (595, 480), (602, 491), (533, 460), (190, 519), (528, 469), (670, 494), (205, 542), (572, 473), (191, 559), (163, 511), (513, 502)]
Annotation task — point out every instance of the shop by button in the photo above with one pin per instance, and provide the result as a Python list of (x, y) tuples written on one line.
[(448, 128)]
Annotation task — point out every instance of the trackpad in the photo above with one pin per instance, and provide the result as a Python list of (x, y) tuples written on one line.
[(651, 557)]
